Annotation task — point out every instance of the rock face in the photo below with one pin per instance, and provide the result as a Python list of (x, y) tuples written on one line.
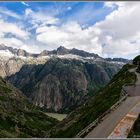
[(10, 66), (54, 93), (60, 84)]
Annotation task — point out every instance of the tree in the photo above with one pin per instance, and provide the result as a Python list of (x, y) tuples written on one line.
[(138, 68)]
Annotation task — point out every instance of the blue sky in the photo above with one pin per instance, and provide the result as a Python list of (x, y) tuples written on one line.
[(98, 27), (83, 12)]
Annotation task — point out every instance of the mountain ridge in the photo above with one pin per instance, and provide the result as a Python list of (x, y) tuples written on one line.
[(59, 51)]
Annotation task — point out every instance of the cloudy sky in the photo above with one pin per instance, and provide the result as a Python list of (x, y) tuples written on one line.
[(110, 29)]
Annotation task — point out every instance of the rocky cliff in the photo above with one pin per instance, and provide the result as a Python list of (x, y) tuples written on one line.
[(61, 84)]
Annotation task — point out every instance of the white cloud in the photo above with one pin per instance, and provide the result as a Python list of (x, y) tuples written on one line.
[(14, 42), (12, 28), (17, 43), (70, 35), (118, 35), (69, 8), (121, 48), (31, 48), (118, 23), (119, 29), (109, 4), (25, 3), (39, 17), (12, 34)]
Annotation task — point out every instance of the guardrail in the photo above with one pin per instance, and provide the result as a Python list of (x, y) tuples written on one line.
[(92, 125)]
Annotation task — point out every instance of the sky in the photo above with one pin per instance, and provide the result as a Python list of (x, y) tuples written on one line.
[(109, 29)]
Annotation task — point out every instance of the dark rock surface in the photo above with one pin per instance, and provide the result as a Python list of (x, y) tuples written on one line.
[(61, 85)]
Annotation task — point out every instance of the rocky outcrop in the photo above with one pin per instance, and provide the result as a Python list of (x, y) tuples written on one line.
[(10, 66)]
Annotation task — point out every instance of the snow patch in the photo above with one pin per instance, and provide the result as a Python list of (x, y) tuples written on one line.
[(6, 53)]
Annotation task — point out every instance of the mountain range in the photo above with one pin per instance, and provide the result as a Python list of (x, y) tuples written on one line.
[(60, 52), (58, 80), (9, 51)]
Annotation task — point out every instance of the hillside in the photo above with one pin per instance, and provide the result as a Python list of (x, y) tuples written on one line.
[(19, 117), (95, 106), (135, 131)]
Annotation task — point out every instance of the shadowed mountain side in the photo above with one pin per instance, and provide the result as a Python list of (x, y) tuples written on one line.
[(60, 84)]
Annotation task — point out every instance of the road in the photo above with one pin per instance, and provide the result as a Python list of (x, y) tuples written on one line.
[(124, 126), (105, 128)]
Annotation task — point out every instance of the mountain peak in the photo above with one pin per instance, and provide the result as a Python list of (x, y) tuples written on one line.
[(43, 53), (2, 47), (61, 47), (62, 50)]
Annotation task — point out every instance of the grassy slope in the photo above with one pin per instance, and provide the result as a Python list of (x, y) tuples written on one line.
[(18, 117), (95, 106)]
